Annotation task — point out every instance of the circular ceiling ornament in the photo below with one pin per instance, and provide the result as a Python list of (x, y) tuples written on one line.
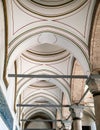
[(51, 8), (43, 84), (46, 53), (52, 3)]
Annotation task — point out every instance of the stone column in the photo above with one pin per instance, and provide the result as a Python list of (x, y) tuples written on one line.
[(94, 86), (77, 114)]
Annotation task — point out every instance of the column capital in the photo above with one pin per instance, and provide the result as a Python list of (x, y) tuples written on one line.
[(76, 111), (67, 124), (94, 85)]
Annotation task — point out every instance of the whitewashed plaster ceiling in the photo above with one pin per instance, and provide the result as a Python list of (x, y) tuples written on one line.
[(46, 53), (51, 8), (46, 37)]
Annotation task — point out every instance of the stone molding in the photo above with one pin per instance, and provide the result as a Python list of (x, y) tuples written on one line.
[(94, 85), (76, 111), (67, 125)]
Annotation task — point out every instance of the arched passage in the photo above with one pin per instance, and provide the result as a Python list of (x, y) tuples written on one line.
[(65, 40)]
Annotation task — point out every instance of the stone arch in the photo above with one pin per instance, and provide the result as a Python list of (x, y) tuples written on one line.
[(62, 85), (46, 95), (36, 110), (43, 94), (70, 43), (95, 44), (2, 39)]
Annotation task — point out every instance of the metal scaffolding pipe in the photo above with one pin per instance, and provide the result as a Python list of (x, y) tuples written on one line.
[(38, 129), (41, 105), (54, 76), (83, 95), (42, 120), (47, 76)]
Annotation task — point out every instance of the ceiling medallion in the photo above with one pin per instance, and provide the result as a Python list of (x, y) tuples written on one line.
[(51, 3), (46, 53), (51, 8)]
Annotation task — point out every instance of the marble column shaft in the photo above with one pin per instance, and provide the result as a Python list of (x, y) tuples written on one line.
[(94, 86), (77, 114)]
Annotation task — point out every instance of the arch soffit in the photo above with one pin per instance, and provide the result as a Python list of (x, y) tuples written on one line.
[(37, 110), (54, 100), (94, 44), (59, 84), (44, 70), (63, 85), (70, 43), (45, 94)]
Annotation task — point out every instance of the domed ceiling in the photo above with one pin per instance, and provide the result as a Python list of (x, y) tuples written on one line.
[(46, 53), (51, 8), (52, 2)]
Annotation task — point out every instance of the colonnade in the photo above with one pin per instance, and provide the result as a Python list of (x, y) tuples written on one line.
[(76, 114), (77, 110), (94, 86)]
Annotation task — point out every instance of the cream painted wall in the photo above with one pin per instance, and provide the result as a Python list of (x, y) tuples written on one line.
[(2, 40), (11, 90), (2, 125)]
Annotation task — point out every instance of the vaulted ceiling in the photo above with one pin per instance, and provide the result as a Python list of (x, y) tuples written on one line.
[(48, 37)]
